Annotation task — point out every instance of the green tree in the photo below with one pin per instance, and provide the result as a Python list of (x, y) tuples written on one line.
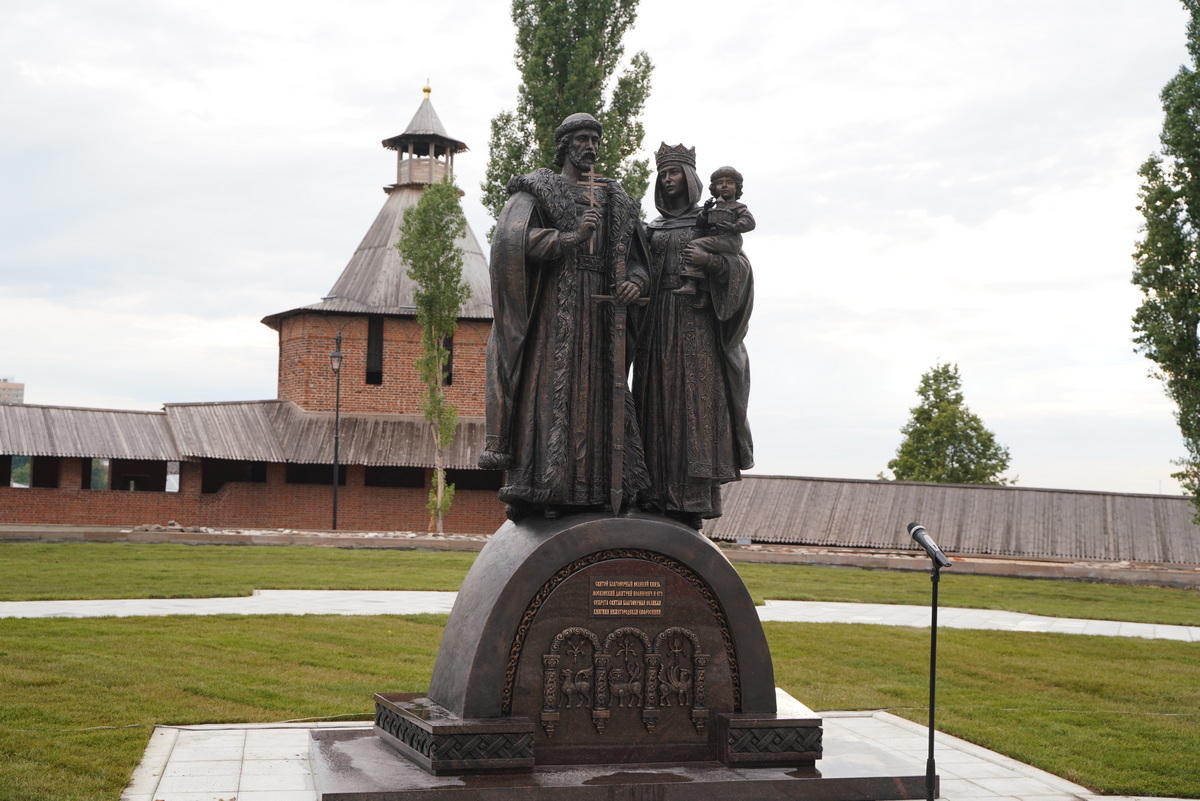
[(944, 441), (1168, 259), (427, 242), (101, 474), (567, 52), (22, 472)]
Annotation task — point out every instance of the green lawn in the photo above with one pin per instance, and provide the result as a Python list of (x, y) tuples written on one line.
[(1120, 716), (1114, 714), (1057, 598), (45, 572), (38, 571), (1100, 711), (59, 677)]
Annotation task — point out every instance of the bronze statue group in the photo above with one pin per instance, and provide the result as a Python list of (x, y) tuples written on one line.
[(579, 286)]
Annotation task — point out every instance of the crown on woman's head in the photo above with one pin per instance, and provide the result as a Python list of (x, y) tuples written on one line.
[(677, 154)]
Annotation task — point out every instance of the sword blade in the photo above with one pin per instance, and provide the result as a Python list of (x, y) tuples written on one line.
[(616, 483)]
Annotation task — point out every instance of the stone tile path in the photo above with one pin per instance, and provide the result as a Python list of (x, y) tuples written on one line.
[(955, 618), (272, 763), (381, 602)]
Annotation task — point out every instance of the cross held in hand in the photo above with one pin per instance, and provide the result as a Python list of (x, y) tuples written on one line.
[(591, 183)]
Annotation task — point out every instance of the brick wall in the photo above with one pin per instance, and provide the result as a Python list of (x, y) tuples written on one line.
[(270, 505), (306, 340)]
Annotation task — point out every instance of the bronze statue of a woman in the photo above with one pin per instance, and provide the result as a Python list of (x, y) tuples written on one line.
[(691, 372)]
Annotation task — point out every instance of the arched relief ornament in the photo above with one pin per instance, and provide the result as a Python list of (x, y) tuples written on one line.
[(679, 683), (653, 661), (633, 676), (564, 682), (579, 672)]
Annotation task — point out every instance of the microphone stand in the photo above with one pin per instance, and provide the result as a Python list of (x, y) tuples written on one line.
[(930, 769), (939, 560)]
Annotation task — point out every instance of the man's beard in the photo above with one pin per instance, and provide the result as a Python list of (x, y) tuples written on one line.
[(583, 161)]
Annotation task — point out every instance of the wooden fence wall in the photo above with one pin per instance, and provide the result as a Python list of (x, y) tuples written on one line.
[(1006, 521)]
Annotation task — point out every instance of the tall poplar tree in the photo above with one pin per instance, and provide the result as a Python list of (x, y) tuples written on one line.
[(427, 242), (946, 442), (567, 52), (1168, 256)]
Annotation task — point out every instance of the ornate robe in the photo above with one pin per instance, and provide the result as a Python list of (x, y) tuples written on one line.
[(692, 376), (549, 354)]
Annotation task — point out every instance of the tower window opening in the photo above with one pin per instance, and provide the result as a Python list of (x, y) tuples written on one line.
[(374, 350)]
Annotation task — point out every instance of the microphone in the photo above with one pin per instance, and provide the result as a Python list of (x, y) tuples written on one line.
[(918, 533)]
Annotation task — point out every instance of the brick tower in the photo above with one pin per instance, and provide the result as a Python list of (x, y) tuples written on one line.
[(372, 305)]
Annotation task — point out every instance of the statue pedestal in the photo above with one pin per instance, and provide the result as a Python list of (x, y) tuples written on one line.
[(584, 651)]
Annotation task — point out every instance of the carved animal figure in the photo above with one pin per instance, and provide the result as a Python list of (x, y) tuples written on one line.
[(578, 685), (625, 686), (676, 683)]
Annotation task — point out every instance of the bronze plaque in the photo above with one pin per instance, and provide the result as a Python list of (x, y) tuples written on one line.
[(637, 596), (625, 659)]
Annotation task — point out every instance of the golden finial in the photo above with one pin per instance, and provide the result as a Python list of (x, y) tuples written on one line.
[(426, 90)]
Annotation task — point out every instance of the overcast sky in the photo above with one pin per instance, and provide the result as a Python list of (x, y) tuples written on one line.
[(934, 180)]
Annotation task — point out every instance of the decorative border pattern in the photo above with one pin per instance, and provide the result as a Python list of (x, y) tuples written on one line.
[(404, 730), (463, 747), (775, 740)]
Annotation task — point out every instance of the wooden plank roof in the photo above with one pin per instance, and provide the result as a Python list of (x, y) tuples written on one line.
[(967, 519), (266, 431), (27, 430), (280, 431), (244, 430), (1003, 521)]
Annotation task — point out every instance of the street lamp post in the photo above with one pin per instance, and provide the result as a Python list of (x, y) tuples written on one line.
[(939, 560), (335, 361)]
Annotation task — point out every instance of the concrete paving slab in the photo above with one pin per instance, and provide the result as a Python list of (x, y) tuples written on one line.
[(968, 772), (384, 602)]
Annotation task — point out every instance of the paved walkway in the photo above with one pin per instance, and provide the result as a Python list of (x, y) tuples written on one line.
[(262, 602), (955, 618), (265, 762), (350, 602)]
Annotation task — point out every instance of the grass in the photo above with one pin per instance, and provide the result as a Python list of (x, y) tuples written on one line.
[(60, 677), (1057, 598), (1100, 711), (40, 571), (1119, 716), (61, 571), (1116, 715)]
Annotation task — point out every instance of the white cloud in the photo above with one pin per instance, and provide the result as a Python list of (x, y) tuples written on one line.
[(933, 180)]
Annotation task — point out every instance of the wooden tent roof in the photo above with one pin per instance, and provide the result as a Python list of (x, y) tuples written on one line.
[(425, 127), (966, 519), (375, 281), (267, 431)]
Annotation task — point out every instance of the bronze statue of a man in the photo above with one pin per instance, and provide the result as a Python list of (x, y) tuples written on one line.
[(567, 255)]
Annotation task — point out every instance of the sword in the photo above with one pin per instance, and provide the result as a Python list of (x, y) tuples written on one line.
[(620, 388)]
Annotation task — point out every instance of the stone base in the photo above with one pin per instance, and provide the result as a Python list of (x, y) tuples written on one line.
[(356, 765), (443, 743), (614, 658), (789, 737)]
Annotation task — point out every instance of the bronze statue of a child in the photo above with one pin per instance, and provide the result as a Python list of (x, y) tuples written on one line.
[(721, 223)]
